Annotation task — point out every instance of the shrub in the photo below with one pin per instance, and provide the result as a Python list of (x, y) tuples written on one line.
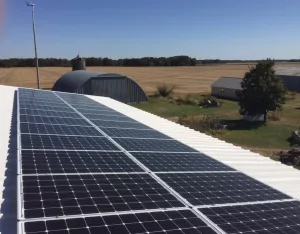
[(274, 116), (291, 95), (165, 90), (191, 100)]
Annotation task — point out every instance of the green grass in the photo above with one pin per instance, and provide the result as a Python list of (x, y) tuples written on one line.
[(165, 108), (272, 136)]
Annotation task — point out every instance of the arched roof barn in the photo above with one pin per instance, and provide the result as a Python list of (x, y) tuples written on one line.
[(115, 86)]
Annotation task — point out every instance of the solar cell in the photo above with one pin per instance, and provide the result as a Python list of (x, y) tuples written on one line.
[(115, 124), (46, 113), (268, 218), (58, 129), (58, 195), (134, 133), (170, 222), (42, 162), (153, 145), (53, 120), (219, 188), (179, 162), (29, 141)]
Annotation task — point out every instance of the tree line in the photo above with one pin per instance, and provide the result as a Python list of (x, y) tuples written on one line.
[(127, 62), (92, 61), (219, 61)]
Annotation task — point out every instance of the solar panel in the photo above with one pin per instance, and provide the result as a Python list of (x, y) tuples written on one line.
[(115, 124), (171, 222), (109, 117), (134, 133), (219, 188), (268, 218), (30, 141), (40, 105), (52, 120), (48, 108), (58, 195), (58, 129), (153, 145), (61, 113), (50, 162), (76, 180), (98, 111), (167, 162)]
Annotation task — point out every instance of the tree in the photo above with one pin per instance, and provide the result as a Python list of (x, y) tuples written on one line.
[(262, 91)]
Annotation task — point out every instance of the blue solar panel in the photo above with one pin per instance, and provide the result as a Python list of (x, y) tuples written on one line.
[(171, 222), (268, 218), (131, 144), (136, 178)]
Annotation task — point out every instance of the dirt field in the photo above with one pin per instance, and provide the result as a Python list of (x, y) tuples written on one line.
[(187, 79)]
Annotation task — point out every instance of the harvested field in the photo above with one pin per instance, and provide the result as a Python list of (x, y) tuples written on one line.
[(186, 79)]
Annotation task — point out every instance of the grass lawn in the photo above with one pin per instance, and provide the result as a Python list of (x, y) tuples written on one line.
[(264, 139), (165, 108)]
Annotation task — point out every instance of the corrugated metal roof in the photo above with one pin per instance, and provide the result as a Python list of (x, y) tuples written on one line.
[(279, 176), (275, 174), (71, 81), (228, 83), (287, 71)]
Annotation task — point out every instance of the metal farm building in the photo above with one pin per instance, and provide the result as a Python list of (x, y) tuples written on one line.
[(116, 86), (290, 77), (226, 87)]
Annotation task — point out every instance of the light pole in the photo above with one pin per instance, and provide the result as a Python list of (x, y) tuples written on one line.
[(35, 49)]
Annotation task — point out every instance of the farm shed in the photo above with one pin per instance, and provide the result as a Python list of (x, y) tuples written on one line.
[(226, 87), (115, 86), (290, 77)]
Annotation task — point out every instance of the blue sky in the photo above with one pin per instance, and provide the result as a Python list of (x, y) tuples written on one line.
[(205, 29)]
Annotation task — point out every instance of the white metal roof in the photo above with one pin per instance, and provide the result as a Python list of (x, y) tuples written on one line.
[(287, 71), (275, 174), (279, 176)]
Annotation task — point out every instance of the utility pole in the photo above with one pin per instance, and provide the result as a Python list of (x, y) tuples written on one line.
[(35, 49)]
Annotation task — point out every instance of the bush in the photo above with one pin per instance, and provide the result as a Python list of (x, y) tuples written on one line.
[(291, 95), (165, 90), (274, 116), (191, 100)]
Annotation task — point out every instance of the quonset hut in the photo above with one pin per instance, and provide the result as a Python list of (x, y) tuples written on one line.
[(115, 86)]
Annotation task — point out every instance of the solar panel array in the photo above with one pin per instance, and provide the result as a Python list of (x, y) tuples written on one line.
[(86, 168)]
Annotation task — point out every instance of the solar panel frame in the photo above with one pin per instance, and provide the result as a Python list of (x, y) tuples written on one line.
[(109, 118), (215, 188), (134, 133), (66, 162), (267, 218), (53, 120), (48, 129), (48, 108), (62, 114), (153, 145), (87, 105), (63, 195), (179, 162), (119, 124), (169, 221), (62, 142)]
